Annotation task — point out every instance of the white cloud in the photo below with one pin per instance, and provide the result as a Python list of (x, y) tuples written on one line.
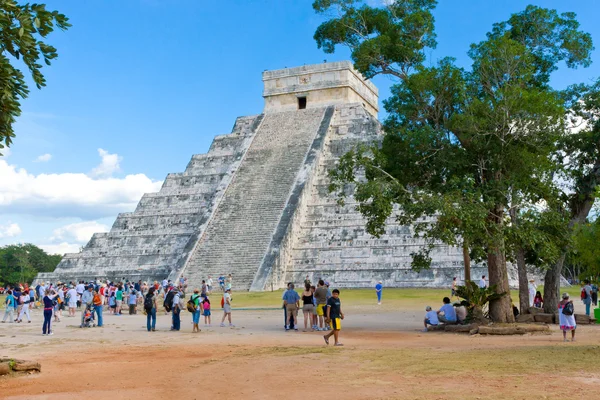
[(44, 158), (80, 232), (5, 152), (60, 248), (108, 166), (69, 194), (9, 230)]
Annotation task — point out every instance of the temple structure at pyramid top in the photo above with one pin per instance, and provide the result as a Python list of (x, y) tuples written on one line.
[(318, 85), (257, 204)]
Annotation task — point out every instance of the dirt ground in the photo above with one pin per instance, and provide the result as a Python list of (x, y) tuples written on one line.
[(385, 357)]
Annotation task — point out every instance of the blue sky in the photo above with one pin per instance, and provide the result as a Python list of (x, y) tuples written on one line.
[(150, 82)]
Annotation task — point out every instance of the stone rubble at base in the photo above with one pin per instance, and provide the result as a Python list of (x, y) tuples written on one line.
[(257, 204)]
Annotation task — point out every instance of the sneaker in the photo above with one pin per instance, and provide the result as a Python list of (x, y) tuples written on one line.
[(51, 333), (425, 330), (296, 329), (231, 325), (222, 325)]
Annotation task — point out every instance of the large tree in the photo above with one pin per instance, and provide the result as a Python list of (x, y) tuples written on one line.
[(23, 29), (463, 147)]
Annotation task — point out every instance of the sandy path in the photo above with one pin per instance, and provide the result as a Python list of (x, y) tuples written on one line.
[(258, 360)]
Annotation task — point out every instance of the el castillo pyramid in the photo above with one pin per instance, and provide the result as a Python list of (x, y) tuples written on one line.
[(257, 204)]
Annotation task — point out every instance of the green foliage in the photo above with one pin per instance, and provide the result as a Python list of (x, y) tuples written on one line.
[(465, 150), (585, 252), (21, 262), (21, 29), (476, 298)]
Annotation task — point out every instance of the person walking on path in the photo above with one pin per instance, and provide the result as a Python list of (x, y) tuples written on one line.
[(195, 298), (150, 306), (25, 299), (566, 317), (227, 308), (48, 301), (586, 296), (378, 290), (9, 312), (334, 317), (453, 291), (532, 289), (482, 282), (308, 307), (291, 300)]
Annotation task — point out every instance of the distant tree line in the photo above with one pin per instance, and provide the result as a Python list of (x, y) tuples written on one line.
[(22, 262)]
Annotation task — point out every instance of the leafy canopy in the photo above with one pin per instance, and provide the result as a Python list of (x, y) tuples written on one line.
[(23, 29)]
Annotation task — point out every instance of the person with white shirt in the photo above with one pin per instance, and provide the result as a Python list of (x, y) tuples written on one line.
[(431, 318), (72, 303), (482, 282), (209, 284), (532, 289)]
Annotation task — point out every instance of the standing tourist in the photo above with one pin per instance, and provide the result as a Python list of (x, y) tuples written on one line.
[(229, 282), (334, 317), (594, 294), (566, 317), (538, 300), (72, 299), (87, 300), (586, 296), (209, 284), (195, 298), (150, 306), (453, 291), (206, 311), (176, 311), (9, 303), (48, 301), (222, 283), (321, 297), (227, 307), (291, 300), (482, 282), (204, 289), (97, 302), (378, 290), (308, 307), (118, 299), (132, 302), (532, 289), (80, 288)]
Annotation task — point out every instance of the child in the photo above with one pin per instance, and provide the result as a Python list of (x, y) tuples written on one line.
[(334, 317), (112, 302), (132, 302), (538, 300), (431, 318), (206, 311)]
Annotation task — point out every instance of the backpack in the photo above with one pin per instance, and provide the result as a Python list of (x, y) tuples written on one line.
[(191, 305), (168, 304), (568, 309), (583, 294), (148, 303)]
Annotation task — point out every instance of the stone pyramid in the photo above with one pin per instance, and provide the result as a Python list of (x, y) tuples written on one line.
[(257, 204)]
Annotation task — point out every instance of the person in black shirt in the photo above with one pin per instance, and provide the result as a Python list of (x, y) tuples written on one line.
[(334, 317)]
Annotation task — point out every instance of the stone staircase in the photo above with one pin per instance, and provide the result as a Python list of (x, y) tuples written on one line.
[(239, 235), (159, 235)]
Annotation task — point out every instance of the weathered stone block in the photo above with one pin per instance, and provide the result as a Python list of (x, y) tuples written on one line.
[(582, 319), (545, 318), (525, 318), (535, 310)]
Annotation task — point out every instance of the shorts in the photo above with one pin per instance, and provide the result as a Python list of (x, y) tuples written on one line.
[(452, 293), (119, 302), (320, 310), (226, 308), (308, 309), (429, 322), (336, 324), (206, 313), (196, 317)]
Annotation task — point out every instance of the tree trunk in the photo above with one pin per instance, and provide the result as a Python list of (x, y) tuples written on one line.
[(523, 284), (500, 309), (552, 285), (467, 261)]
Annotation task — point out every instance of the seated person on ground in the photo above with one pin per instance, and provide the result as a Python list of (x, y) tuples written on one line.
[(431, 318), (461, 312), (447, 314)]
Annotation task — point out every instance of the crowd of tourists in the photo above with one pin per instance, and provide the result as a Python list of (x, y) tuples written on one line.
[(92, 298)]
